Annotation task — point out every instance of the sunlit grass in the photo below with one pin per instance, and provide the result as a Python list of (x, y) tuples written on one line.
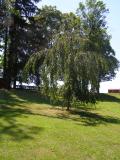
[(32, 129)]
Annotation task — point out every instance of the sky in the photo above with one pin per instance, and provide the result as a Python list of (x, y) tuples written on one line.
[(113, 29)]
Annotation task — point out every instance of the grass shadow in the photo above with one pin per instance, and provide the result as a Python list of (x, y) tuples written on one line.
[(9, 126), (19, 97), (85, 118), (7, 98), (32, 96), (9, 112), (94, 119), (108, 98)]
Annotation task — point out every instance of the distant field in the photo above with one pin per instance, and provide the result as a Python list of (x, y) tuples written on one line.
[(32, 129)]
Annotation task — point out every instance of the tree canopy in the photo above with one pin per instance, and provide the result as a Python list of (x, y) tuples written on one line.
[(48, 46)]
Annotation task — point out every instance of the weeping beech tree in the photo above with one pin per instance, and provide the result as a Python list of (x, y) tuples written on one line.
[(70, 61)]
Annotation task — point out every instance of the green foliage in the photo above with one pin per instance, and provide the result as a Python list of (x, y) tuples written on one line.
[(51, 46), (16, 21), (93, 23), (47, 22), (80, 53), (69, 63)]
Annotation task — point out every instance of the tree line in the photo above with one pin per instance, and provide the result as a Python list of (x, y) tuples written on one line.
[(46, 46)]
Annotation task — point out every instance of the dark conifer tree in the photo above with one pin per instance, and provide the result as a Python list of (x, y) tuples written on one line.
[(20, 13)]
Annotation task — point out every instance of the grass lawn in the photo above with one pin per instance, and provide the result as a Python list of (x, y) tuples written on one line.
[(31, 129)]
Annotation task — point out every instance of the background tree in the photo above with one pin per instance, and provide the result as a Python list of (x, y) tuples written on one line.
[(94, 28), (47, 22), (4, 23), (20, 12)]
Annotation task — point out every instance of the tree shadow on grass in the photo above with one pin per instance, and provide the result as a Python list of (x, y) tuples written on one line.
[(94, 119), (9, 112), (19, 97), (26, 96), (108, 98), (35, 97), (9, 126), (7, 98), (85, 118)]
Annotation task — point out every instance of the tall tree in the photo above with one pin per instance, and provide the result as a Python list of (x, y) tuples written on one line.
[(94, 28), (81, 54), (4, 23), (20, 13), (47, 22)]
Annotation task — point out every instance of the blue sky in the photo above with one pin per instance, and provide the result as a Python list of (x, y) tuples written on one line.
[(113, 28)]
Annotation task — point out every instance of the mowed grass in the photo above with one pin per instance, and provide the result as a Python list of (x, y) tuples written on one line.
[(32, 129)]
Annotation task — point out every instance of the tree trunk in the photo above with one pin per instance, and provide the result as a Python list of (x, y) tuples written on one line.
[(11, 71), (98, 88), (5, 53), (14, 83), (68, 105)]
